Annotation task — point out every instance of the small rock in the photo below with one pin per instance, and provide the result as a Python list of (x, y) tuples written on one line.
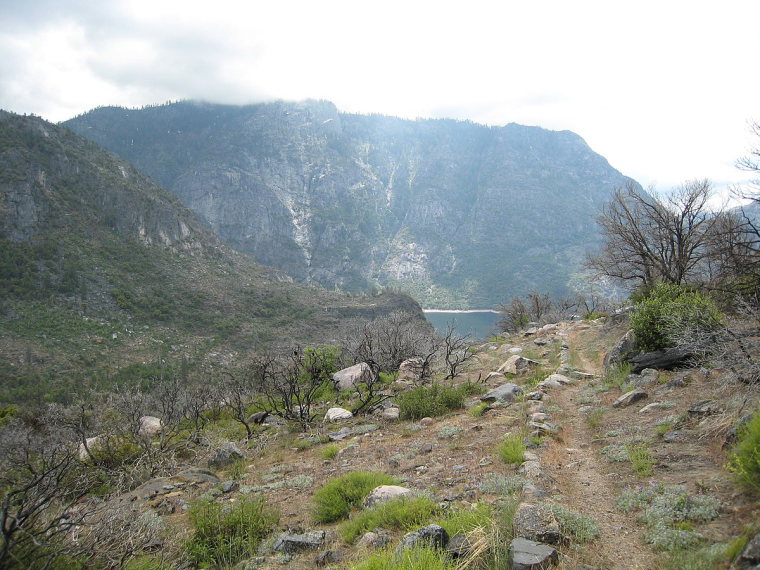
[(385, 493), (629, 398), (328, 557), (563, 380), (675, 436), (411, 369), (531, 470), (644, 378), (432, 536), (485, 461), (226, 455), (149, 427), (705, 408), (459, 546), (537, 523), (586, 409), (335, 414), (492, 375), (750, 557), (527, 554), (535, 396), (427, 422), (373, 540), (517, 365), (650, 407), (539, 417), (459, 468), (504, 393), (529, 456), (425, 448), (391, 414), (346, 378), (229, 486)]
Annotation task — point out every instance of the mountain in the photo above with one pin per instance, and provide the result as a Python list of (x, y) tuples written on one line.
[(100, 268), (459, 214)]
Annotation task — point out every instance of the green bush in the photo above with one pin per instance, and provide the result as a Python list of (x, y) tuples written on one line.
[(410, 559), (402, 513), (430, 401), (511, 449), (669, 309), (745, 458), (226, 534), (337, 497)]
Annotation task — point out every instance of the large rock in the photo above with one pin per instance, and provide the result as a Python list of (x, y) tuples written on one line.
[(527, 554), (335, 414), (411, 370), (620, 353), (385, 493), (93, 444), (150, 427), (750, 557), (226, 455), (504, 393), (432, 536), (537, 522), (346, 378), (517, 365), (644, 378), (661, 359), (290, 542), (629, 398)]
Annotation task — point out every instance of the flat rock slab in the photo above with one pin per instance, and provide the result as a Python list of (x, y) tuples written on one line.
[(629, 398), (290, 542), (504, 393), (527, 554)]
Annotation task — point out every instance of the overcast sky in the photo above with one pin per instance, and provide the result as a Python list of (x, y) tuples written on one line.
[(663, 89)]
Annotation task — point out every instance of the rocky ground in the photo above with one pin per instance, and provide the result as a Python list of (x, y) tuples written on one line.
[(680, 425)]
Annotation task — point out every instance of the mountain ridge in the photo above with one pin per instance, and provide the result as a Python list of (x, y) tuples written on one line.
[(458, 214)]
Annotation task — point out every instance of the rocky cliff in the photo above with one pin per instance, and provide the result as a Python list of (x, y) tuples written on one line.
[(459, 214)]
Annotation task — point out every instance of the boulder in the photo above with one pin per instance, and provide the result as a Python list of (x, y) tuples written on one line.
[(391, 414), (644, 378), (290, 542), (504, 393), (527, 554), (385, 493), (149, 427), (411, 369), (618, 354), (517, 365), (346, 378), (432, 536), (335, 414), (94, 444), (536, 522), (226, 455), (629, 398), (661, 359)]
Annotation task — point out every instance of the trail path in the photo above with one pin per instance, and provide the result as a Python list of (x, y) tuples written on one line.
[(581, 474)]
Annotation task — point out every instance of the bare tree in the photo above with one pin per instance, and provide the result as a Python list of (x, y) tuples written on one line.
[(648, 239), (455, 352)]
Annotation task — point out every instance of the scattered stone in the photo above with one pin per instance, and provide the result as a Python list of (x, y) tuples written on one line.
[(346, 379), (705, 408), (517, 365), (459, 546), (427, 422), (373, 540), (493, 375), (629, 398), (531, 470), (529, 456), (432, 536), (336, 414), (548, 383), (543, 428), (339, 435), (653, 406), (536, 522), (411, 369), (675, 436), (539, 417), (535, 396), (290, 542), (644, 378), (328, 557), (425, 448), (485, 461), (515, 350), (504, 393), (562, 379), (586, 409), (226, 455), (385, 493), (459, 468), (530, 555), (229, 486), (149, 427), (540, 341), (390, 414)]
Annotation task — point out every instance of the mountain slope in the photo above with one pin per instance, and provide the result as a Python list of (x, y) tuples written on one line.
[(459, 214), (100, 268)]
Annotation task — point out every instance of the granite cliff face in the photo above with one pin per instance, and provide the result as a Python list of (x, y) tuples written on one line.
[(459, 214)]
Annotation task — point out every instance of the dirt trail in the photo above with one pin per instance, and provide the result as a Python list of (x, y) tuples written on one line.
[(582, 477)]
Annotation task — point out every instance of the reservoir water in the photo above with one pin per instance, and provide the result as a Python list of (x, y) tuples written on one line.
[(477, 324)]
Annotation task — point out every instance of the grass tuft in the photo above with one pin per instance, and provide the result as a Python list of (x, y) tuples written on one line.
[(511, 449), (402, 513)]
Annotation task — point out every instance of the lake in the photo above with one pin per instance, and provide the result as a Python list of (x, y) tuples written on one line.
[(477, 324)]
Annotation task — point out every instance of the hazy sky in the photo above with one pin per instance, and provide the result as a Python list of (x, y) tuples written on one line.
[(663, 89)]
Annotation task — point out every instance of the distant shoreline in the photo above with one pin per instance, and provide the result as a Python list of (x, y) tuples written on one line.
[(460, 311)]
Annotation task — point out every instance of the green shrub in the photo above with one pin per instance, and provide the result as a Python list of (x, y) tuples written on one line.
[(410, 559), (580, 527), (402, 513), (226, 534), (467, 520), (429, 401), (512, 449), (329, 452), (479, 409), (641, 459), (745, 458), (669, 309), (337, 497)]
